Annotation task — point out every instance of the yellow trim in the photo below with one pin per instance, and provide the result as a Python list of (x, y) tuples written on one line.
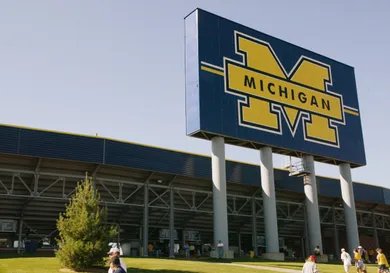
[(151, 146), (211, 70), (351, 112)]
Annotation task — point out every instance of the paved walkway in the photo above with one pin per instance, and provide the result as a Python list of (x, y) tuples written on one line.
[(275, 269)]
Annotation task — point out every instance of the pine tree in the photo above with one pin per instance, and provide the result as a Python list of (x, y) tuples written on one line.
[(83, 231)]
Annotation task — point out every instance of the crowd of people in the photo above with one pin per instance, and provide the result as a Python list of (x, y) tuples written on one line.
[(360, 258)]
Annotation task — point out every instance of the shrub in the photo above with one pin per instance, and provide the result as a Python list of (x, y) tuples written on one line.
[(83, 231)]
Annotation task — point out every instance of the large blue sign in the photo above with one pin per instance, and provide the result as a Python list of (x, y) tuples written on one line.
[(256, 90)]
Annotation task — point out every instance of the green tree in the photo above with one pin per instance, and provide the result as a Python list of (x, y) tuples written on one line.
[(83, 231)]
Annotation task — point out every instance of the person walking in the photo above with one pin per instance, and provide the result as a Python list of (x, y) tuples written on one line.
[(363, 253), (346, 259), (310, 266), (220, 249), (115, 252), (360, 267), (150, 249), (383, 265), (187, 248), (371, 255), (115, 265), (317, 254)]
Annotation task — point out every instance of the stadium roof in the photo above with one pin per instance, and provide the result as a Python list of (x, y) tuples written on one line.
[(58, 145), (39, 171)]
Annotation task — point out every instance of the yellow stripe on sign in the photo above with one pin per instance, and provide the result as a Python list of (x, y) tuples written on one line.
[(351, 112), (211, 70)]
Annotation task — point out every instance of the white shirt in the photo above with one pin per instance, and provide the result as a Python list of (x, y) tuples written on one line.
[(346, 258), (220, 245), (123, 265), (310, 267)]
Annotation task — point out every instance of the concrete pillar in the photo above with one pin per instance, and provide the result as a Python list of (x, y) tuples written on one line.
[(349, 206), (220, 217), (375, 231), (20, 235), (311, 203), (146, 220), (269, 203), (336, 236), (171, 225), (254, 227), (239, 243)]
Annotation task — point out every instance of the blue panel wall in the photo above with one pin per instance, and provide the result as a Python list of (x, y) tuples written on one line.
[(241, 173), (386, 196), (285, 182), (63, 146), (368, 193), (9, 139), (328, 187), (147, 158), (97, 150)]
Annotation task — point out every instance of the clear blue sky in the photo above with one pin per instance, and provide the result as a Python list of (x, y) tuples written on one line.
[(117, 67)]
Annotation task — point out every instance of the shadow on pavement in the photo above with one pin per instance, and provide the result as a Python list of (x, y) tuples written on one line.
[(133, 270), (289, 266)]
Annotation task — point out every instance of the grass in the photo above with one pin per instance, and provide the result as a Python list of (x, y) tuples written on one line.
[(323, 268), (151, 265), (139, 265)]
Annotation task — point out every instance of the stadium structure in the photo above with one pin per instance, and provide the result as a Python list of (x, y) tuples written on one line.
[(243, 88), (150, 190)]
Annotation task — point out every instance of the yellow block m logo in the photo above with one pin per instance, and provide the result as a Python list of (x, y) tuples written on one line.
[(267, 92)]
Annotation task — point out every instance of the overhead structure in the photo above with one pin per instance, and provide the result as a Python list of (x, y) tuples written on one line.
[(39, 171)]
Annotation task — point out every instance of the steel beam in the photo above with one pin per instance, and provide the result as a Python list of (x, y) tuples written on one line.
[(20, 235), (336, 235), (146, 220), (375, 231), (171, 224), (254, 228)]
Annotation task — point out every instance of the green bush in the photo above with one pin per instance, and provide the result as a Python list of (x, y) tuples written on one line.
[(83, 231)]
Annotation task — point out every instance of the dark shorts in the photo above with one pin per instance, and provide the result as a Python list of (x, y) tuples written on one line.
[(382, 267)]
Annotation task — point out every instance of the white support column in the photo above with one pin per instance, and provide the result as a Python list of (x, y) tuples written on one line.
[(311, 204), (349, 206), (220, 217), (269, 205), (146, 220)]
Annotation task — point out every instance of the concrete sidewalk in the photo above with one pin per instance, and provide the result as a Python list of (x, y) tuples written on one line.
[(275, 269)]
